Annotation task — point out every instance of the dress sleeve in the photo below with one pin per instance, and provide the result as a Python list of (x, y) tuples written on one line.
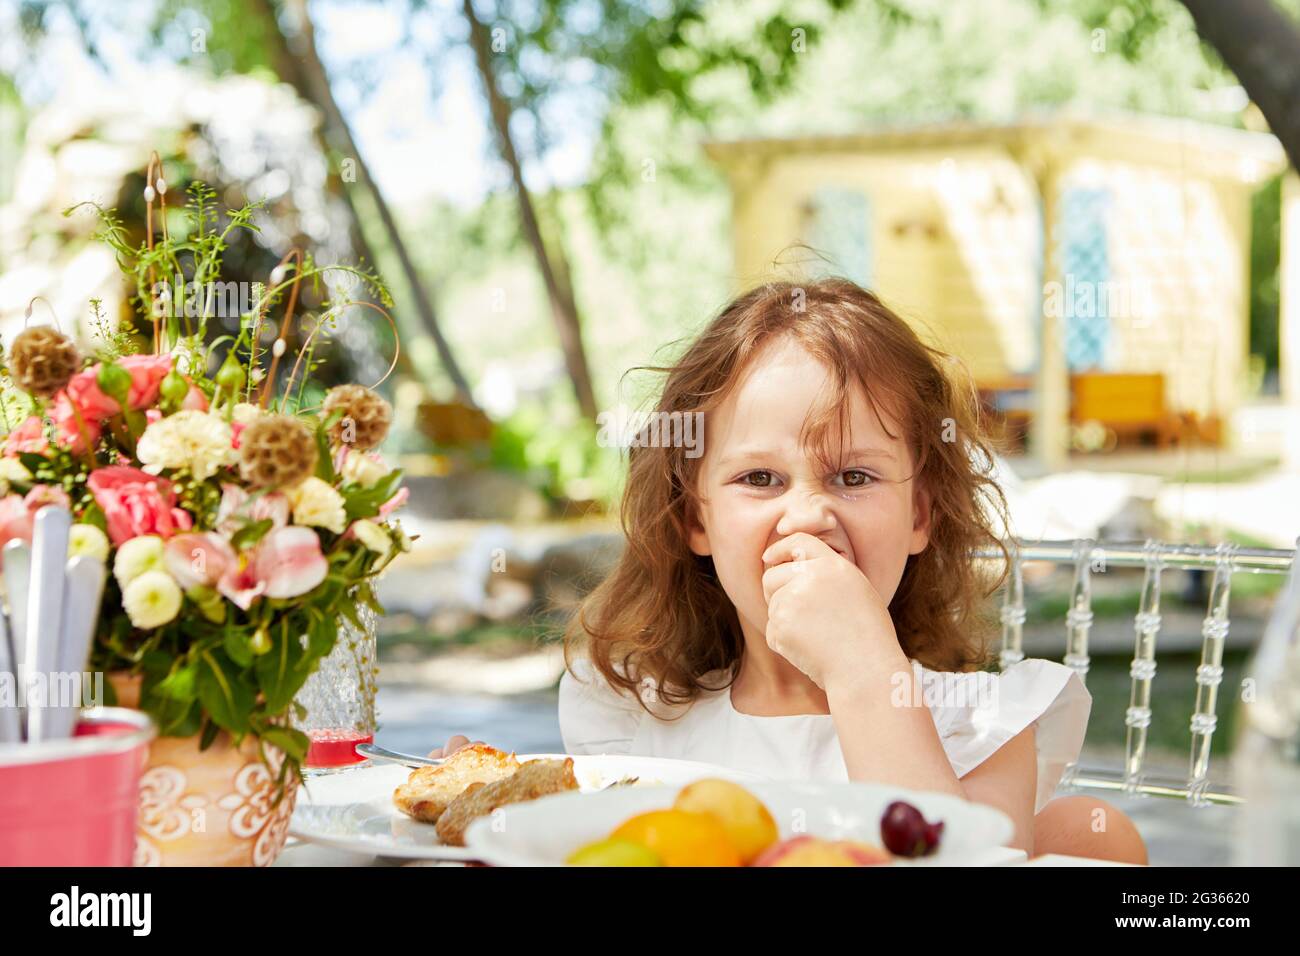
[(998, 706), (594, 717)]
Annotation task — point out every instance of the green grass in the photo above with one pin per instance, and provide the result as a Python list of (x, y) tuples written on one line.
[(1173, 699)]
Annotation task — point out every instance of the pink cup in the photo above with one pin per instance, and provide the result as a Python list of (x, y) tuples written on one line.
[(74, 802)]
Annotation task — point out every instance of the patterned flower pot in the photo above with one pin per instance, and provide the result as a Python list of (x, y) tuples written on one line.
[(213, 807)]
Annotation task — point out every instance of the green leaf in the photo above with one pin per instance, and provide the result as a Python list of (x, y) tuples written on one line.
[(366, 594), (321, 637), (350, 612), (361, 502), (31, 461), (180, 685), (250, 534), (225, 697), (235, 643), (175, 718), (210, 731), (324, 460), (277, 671), (292, 742)]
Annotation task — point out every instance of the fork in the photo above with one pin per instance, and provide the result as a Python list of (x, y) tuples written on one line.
[(375, 752)]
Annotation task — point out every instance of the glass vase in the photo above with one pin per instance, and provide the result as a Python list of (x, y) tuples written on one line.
[(339, 696)]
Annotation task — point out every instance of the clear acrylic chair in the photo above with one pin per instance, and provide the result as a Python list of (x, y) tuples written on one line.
[(1087, 556)]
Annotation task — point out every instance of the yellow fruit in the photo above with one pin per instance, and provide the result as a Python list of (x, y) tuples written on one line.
[(748, 823), (680, 838), (614, 853)]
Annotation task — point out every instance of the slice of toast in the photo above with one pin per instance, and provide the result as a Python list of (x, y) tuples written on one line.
[(430, 790), (537, 778)]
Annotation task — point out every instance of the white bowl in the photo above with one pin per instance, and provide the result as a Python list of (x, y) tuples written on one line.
[(545, 832)]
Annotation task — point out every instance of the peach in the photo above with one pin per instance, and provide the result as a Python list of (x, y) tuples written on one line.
[(748, 823), (680, 838), (810, 851)]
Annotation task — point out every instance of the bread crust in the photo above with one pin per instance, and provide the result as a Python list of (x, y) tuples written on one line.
[(537, 778), (430, 790)]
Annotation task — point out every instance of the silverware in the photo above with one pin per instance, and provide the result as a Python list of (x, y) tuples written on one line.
[(83, 590), (45, 614), (11, 731), (17, 575), (392, 756)]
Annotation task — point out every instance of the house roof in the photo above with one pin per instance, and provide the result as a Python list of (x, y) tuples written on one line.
[(1203, 149)]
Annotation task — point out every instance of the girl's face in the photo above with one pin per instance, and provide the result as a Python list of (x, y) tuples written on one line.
[(759, 485)]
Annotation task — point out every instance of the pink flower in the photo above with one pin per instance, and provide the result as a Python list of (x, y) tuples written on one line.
[(136, 503), (27, 437), (285, 563), (71, 433), (42, 495), (147, 373), (395, 502), (289, 560), (15, 520), (18, 514), (241, 584), (198, 560), (83, 391), (195, 400), (238, 507)]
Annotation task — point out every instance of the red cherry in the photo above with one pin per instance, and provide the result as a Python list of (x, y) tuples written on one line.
[(905, 831)]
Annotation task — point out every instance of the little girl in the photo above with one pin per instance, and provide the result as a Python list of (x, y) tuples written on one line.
[(799, 601)]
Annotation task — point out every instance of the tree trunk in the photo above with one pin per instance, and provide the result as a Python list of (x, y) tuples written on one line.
[(564, 309), (1261, 45), (306, 73)]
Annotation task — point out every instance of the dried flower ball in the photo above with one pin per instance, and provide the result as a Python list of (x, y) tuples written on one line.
[(366, 416), (276, 451), (42, 360)]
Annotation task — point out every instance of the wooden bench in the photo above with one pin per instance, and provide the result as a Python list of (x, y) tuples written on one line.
[(1131, 404)]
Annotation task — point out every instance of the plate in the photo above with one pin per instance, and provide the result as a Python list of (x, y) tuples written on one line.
[(353, 809), (544, 832)]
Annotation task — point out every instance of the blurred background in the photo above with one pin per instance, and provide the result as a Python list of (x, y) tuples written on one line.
[(1089, 203)]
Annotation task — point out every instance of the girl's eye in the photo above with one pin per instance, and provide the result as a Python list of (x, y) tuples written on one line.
[(757, 479), (855, 478)]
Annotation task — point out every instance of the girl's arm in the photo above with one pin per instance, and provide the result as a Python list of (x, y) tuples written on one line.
[(1008, 780), (888, 736)]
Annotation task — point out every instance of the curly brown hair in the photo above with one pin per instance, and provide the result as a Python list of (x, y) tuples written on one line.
[(662, 614)]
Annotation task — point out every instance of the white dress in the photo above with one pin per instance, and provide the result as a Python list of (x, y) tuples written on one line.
[(974, 713)]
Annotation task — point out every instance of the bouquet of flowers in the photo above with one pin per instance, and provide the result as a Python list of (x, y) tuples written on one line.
[(239, 526)]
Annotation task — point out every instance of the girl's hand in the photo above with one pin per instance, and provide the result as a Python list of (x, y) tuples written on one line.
[(823, 615), (454, 743)]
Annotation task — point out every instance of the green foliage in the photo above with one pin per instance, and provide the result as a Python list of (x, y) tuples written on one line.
[(1265, 259), (560, 457)]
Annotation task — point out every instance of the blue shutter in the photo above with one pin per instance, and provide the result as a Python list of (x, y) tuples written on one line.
[(1085, 268), (840, 230)]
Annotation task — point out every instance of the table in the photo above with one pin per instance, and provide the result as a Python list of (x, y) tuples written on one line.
[(300, 853)]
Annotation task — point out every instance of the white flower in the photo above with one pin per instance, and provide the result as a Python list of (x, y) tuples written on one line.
[(244, 413), (360, 469), (373, 537), (152, 600), (190, 439), (316, 503), (89, 540), (13, 470), (137, 557)]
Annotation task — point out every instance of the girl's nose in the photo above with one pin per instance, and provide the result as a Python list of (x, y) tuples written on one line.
[(810, 513)]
